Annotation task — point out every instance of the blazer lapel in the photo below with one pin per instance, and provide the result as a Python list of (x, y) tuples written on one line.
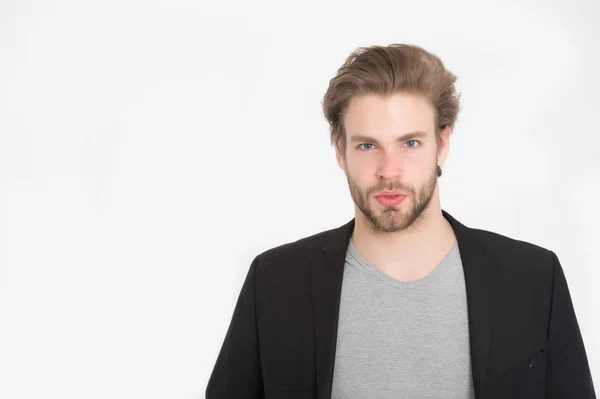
[(326, 286), (326, 275), (479, 272)]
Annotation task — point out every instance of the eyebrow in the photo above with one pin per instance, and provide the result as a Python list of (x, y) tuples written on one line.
[(404, 137)]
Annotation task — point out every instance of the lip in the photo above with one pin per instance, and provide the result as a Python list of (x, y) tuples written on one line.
[(388, 193), (386, 201)]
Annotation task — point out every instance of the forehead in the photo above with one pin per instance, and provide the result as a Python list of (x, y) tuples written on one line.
[(396, 113)]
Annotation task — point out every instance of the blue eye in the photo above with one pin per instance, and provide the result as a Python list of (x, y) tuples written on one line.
[(360, 146)]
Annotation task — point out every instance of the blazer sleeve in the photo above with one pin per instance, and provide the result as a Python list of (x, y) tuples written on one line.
[(568, 372), (237, 372)]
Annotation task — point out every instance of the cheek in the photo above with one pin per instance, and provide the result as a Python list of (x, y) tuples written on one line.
[(417, 158), (357, 167), (419, 165), (362, 164), (362, 176)]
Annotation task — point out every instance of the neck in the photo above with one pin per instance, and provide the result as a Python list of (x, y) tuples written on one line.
[(425, 242)]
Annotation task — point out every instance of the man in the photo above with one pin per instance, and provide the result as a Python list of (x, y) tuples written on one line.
[(403, 301)]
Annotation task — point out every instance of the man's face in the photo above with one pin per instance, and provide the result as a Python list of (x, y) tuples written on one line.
[(378, 159)]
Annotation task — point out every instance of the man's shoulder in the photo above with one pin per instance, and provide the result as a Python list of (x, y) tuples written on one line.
[(496, 240), (510, 250), (293, 255), (301, 249)]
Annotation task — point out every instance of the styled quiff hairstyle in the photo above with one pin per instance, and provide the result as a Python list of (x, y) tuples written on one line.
[(387, 70)]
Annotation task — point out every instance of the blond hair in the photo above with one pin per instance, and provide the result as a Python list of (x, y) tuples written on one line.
[(387, 70)]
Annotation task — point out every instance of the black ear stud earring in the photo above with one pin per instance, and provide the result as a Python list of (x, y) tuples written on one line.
[(439, 171)]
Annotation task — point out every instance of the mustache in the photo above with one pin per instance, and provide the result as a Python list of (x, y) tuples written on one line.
[(400, 189)]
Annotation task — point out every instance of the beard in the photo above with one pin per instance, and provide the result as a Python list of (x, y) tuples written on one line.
[(393, 219)]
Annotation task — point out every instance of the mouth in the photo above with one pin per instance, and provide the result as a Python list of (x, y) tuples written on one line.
[(389, 193), (390, 199)]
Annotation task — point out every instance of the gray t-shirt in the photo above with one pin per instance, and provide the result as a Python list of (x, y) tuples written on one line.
[(402, 339)]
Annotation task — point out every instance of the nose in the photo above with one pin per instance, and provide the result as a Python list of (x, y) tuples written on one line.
[(389, 166)]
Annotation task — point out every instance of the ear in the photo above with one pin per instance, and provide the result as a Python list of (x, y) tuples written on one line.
[(339, 157), (444, 149)]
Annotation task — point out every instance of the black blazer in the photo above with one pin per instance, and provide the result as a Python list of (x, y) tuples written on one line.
[(525, 341)]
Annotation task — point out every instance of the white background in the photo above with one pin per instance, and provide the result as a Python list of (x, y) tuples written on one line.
[(149, 150)]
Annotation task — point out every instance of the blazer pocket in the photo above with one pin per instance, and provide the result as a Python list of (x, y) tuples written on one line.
[(525, 364)]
